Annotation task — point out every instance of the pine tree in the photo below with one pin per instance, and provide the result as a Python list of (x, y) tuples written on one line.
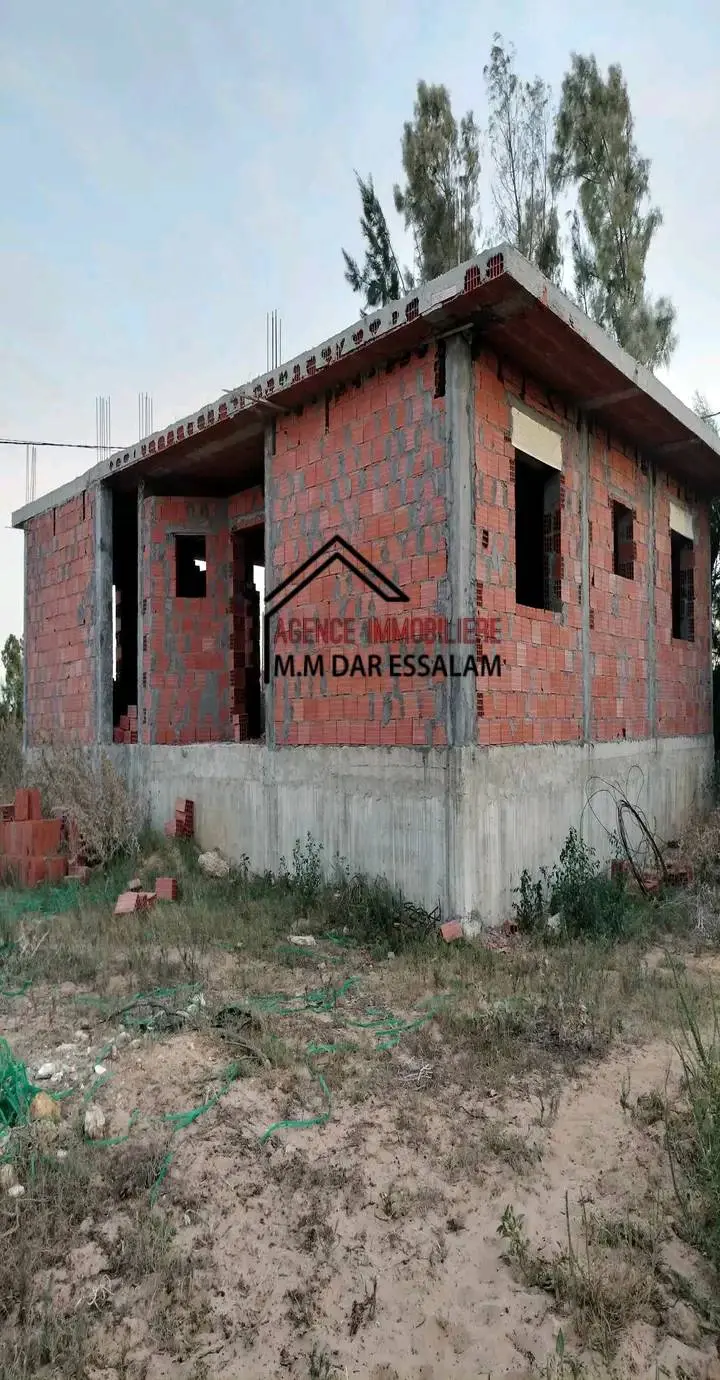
[(379, 281), (439, 200), (614, 226), (521, 133), (11, 691)]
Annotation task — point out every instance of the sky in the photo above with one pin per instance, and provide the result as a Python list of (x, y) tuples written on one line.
[(173, 171)]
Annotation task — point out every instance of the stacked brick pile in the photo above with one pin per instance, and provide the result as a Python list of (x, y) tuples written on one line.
[(29, 844), (166, 889), (183, 825), (127, 729), (129, 901)]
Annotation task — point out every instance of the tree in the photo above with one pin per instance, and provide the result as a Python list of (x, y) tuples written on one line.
[(439, 200), (380, 280), (11, 691), (614, 225), (520, 131)]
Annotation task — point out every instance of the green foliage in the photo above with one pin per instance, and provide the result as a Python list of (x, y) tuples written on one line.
[(439, 199), (520, 130), (306, 877), (590, 904), (370, 909), (530, 908), (375, 913), (379, 281), (11, 757), (613, 227), (11, 691), (693, 1133)]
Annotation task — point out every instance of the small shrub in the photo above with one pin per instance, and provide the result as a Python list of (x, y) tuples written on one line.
[(87, 790), (591, 904), (376, 914), (530, 908), (306, 877)]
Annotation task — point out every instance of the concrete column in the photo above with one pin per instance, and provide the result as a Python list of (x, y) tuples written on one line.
[(462, 603), (585, 642), (461, 538), (142, 695), (652, 576), (102, 632), (270, 579)]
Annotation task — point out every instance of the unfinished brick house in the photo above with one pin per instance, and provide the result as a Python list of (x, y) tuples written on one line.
[(475, 474)]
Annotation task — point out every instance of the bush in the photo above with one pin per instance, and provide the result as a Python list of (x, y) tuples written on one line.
[(306, 878), (590, 904), (86, 789), (11, 757), (372, 911), (376, 913)]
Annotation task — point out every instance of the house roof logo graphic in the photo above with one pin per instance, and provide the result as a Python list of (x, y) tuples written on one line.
[(336, 550)]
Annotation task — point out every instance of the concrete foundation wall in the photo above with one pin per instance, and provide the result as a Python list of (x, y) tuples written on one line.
[(454, 826)]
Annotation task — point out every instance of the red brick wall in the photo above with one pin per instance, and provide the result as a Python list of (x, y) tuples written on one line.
[(368, 465), (186, 657), (619, 643), (538, 698), (59, 600), (246, 507), (684, 703)]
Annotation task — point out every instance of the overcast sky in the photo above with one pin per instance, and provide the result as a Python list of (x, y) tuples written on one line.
[(172, 171)]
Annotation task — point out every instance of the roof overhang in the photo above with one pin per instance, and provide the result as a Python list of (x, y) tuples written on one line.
[(508, 304)]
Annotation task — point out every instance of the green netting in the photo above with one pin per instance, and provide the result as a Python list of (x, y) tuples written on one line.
[(320, 1120), (386, 1026), (16, 1090), (46, 900), (181, 1120)]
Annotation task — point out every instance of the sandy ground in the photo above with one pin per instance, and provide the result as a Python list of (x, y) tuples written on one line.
[(368, 1247)]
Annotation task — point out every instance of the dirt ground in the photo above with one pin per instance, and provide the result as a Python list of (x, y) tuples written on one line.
[(485, 1190)]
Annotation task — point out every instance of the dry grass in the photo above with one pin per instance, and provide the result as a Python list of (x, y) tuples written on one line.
[(84, 788), (605, 1286), (515, 1024)]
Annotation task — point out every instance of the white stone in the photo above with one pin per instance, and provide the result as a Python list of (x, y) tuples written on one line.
[(94, 1122), (8, 1177), (45, 1071), (213, 865), (17, 1191)]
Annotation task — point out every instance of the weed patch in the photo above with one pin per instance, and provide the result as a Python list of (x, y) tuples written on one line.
[(693, 1132), (604, 1291), (589, 903)]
